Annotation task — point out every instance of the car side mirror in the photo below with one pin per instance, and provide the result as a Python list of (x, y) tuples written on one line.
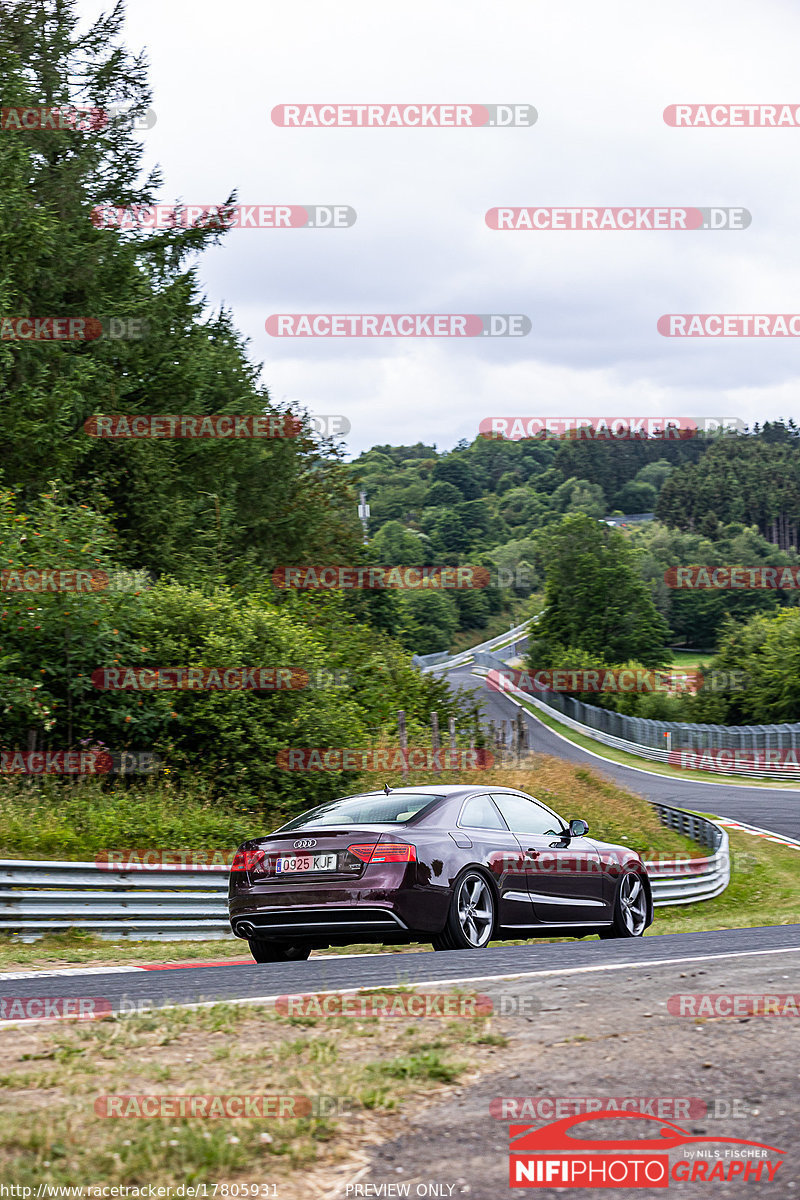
[(578, 829)]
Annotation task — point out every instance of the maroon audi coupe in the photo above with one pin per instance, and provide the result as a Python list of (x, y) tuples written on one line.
[(453, 865)]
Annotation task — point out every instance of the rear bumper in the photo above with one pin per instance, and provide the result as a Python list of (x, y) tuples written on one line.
[(348, 922), (389, 903)]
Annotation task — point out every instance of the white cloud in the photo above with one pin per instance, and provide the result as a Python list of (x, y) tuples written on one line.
[(600, 77)]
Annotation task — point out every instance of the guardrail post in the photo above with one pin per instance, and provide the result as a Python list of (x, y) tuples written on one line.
[(402, 737), (435, 743)]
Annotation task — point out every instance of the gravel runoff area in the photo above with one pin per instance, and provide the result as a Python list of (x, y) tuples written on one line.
[(609, 1034)]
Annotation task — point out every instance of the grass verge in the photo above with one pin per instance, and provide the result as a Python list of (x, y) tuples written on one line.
[(764, 890), (356, 1073), (80, 822), (50, 819), (690, 659)]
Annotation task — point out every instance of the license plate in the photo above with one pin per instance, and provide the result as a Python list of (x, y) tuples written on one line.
[(306, 862)]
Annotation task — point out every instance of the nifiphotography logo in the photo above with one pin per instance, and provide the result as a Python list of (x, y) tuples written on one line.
[(551, 1156)]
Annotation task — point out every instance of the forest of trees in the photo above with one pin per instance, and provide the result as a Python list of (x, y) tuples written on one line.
[(198, 525), (202, 524), (751, 480), (716, 500)]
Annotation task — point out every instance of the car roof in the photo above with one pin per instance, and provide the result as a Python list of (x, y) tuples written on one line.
[(436, 789)]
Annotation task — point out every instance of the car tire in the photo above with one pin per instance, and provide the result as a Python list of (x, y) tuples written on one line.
[(472, 916), (630, 907), (264, 952)]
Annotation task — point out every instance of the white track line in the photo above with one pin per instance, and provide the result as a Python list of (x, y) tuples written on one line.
[(67, 971), (160, 967), (757, 831), (508, 977)]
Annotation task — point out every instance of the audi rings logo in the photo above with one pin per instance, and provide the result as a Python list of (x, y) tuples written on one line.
[(305, 843)]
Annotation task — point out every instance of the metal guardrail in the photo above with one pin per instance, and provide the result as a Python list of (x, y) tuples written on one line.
[(694, 738), (149, 903), (511, 639), (688, 880), (141, 903), (429, 660)]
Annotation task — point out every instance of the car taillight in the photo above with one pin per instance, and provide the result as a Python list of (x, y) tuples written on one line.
[(248, 860), (375, 852)]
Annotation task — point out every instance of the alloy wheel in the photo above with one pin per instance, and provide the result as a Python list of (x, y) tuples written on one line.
[(633, 904), (475, 910)]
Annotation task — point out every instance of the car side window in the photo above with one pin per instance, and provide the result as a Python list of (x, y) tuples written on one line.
[(524, 815), (480, 813)]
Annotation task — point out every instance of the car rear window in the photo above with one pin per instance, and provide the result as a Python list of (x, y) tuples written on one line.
[(360, 810)]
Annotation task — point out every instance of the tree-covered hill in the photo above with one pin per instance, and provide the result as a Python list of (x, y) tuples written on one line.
[(196, 527)]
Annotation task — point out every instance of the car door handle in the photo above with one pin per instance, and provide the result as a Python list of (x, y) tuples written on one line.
[(531, 853)]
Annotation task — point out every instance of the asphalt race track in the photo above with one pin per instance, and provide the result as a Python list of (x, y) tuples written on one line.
[(126, 987), (777, 809)]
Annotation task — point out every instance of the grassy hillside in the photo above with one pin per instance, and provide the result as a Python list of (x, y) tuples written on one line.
[(44, 820)]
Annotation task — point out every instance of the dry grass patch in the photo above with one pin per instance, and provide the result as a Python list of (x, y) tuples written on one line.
[(356, 1072)]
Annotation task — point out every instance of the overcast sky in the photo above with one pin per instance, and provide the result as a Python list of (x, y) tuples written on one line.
[(599, 77)]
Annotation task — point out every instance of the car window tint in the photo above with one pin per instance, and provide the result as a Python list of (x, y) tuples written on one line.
[(480, 813), (525, 816)]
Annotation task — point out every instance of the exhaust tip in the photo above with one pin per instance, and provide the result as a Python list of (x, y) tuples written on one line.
[(245, 928)]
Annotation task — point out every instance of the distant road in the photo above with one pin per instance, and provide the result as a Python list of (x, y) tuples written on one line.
[(777, 809)]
